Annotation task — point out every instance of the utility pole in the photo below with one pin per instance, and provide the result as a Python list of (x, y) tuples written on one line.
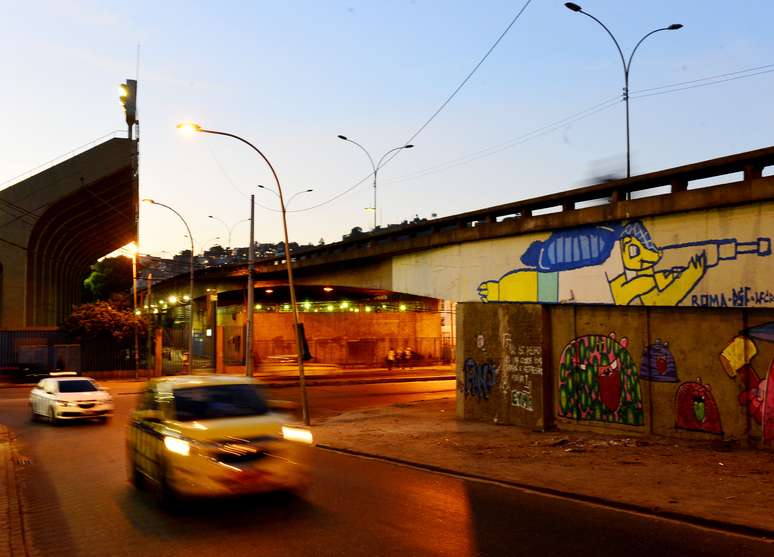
[(149, 343), (250, 292)]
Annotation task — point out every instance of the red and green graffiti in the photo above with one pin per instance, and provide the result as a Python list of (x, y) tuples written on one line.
[(598, 381)]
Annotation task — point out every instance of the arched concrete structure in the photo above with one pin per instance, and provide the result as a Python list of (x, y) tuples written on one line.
[(55, 224)]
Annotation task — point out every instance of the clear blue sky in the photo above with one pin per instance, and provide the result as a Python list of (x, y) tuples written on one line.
[(290, 76)]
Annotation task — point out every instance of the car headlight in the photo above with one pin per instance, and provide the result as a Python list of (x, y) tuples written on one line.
[(177, 445), (297, 434), (66, 403)]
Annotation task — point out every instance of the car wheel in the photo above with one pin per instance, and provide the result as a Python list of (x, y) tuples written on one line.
[(103, 419), (168, 497), (52, 416), (136, 477)]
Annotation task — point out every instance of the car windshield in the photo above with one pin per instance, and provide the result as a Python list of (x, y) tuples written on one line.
[(218, 401), (77, 386)]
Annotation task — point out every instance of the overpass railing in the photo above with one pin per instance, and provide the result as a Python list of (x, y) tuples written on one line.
[(750, 165)]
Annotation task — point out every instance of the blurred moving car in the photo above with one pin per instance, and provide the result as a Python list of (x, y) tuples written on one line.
[(213, 436), (68, 397)]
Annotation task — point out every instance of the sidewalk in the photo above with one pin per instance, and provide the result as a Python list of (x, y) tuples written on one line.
[(11, 532), (710, 485)]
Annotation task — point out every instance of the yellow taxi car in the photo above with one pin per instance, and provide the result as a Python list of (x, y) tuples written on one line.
[(213, 436)]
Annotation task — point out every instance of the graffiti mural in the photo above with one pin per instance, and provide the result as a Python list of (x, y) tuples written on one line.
[(598, 381), (696, 409), (621, 264), (521, 362), (658, 363), (756, 394), (479, 378)]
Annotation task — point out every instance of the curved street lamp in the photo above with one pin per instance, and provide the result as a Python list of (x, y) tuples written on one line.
[(191, 127), (292, 197), (229, 229), (375, 167), (626, 67), (191, 279)]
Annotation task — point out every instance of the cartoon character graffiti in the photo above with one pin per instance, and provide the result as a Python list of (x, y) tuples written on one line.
[(658, 363), (598, 381), (696, 409), (756, 394), (635, 279)]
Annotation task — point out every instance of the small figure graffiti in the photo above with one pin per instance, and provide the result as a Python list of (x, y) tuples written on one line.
[(479, 378), (756, 395), (696, 409), (598, 381), (632, 277), (658, 363)]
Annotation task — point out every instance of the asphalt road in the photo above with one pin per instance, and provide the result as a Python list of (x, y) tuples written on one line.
[(77, 502)]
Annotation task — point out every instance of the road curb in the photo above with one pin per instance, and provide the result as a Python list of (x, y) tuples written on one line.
[(12, 535), (331, 382), (731, 527)]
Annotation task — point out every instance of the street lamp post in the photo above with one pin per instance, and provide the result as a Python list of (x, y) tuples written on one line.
[(375, 167), (229, 229), (134, 251), (299, 343), (626, 67), (191, 280)]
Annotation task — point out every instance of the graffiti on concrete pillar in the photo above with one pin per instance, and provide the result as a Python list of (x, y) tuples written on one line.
[(598, 381), (479, 378), (658, 363), (520, 363), (756, 394), (696, 409)]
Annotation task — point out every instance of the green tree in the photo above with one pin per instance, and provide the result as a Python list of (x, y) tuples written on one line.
[(109, 276)]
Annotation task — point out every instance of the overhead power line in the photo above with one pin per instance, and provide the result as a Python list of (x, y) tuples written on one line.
[(432, 117), (602, 106)]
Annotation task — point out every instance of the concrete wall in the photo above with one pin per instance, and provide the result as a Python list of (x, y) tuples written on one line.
[(710, 258), (678, 372), (500, 359)]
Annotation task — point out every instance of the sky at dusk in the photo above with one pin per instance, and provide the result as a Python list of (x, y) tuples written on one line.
[(290, 76)]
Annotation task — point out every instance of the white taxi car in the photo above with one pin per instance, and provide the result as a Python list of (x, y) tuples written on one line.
[(213, 435), (70, 398)]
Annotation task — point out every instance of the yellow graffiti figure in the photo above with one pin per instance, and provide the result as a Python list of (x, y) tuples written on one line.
[(516, 286), (640, 282)]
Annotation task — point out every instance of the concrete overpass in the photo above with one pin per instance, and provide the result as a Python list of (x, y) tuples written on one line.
[(664, 238)]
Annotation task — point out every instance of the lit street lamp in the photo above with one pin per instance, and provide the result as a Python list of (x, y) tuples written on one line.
[(375, 167), (626, 67), (251, 261), (191, 281)]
